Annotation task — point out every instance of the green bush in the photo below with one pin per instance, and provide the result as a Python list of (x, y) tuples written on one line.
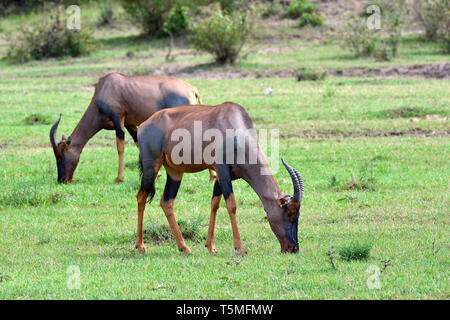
[(223, 35), (434, 17), (312, 19), (306, 11), (107, 14), (355, 250), (230, 6), (273, 8), (156, 17), (382, 43), (50, 40), (178, 20), (299, 7), (310, 74)]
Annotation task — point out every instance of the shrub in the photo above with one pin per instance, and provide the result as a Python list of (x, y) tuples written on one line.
[(394, 13), (223, 35), (156, 16), (273, 8), (50, 40), (379, 43), (313, 19), (310, 74), (177, 20), (107, 14), (230, 5), (299, 7), (304, 10), (360, 40), (433, 16), (355, 250)]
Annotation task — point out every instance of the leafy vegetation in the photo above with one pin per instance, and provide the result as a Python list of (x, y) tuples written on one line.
[(223, 35), (157, 16), (433, 15), (50, 40), (305, 11)]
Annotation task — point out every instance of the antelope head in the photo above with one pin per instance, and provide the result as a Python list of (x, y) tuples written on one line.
[(283, 217), (66, 160)]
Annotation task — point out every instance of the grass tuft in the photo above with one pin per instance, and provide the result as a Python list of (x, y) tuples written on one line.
[(310, 74), (355, 250), (161, 232), (3, 277), (36, 119)]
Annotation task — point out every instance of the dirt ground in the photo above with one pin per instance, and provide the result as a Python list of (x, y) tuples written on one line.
[(430, 71)]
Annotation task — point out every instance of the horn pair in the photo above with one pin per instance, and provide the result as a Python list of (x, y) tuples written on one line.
[(297, 181)]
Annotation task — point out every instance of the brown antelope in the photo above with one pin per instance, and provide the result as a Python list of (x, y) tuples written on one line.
[(158, 147), (119, 102)]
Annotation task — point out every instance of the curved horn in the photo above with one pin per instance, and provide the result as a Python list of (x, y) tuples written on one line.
[(53, 130), (297, 181)]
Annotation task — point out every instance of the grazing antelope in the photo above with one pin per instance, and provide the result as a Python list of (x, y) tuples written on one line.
[(119, 102), (158, 145)]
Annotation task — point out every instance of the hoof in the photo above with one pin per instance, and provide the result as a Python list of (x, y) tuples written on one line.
[(241, 251), (117, 181), (141, 248), (211, 249), (185, 250)]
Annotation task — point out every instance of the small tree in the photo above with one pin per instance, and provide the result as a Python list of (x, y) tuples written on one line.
[(379, 43), (434, 16), (153, 15), (223, 35)]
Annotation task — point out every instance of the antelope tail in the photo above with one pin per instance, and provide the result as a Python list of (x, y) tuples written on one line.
[(197, 95)]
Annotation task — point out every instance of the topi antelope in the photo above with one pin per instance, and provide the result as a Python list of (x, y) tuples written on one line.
[(158, 147), (119, 102)]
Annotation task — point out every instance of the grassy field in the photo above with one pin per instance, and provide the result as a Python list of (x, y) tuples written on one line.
[(371, 175)]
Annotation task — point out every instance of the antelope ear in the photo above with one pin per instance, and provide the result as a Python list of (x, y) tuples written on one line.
[(282, 202)]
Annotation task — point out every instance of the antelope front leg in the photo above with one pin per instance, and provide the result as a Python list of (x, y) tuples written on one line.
[(231, 207), (120, 150), (141, 200)]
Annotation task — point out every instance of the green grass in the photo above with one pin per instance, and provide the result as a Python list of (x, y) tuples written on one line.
[(369, 173), (355, 250)]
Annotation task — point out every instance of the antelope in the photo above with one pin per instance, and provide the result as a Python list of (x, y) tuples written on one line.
[(119, 102), (158, 146)]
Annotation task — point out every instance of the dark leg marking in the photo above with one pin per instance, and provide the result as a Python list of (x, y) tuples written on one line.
[(106, 110), (148, 176), (171, 189), (217, 191), (132, 132), (223, 171)]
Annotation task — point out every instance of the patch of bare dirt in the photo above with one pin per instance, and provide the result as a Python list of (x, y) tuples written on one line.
[(434, 70), (429, 71), (416, 132)]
